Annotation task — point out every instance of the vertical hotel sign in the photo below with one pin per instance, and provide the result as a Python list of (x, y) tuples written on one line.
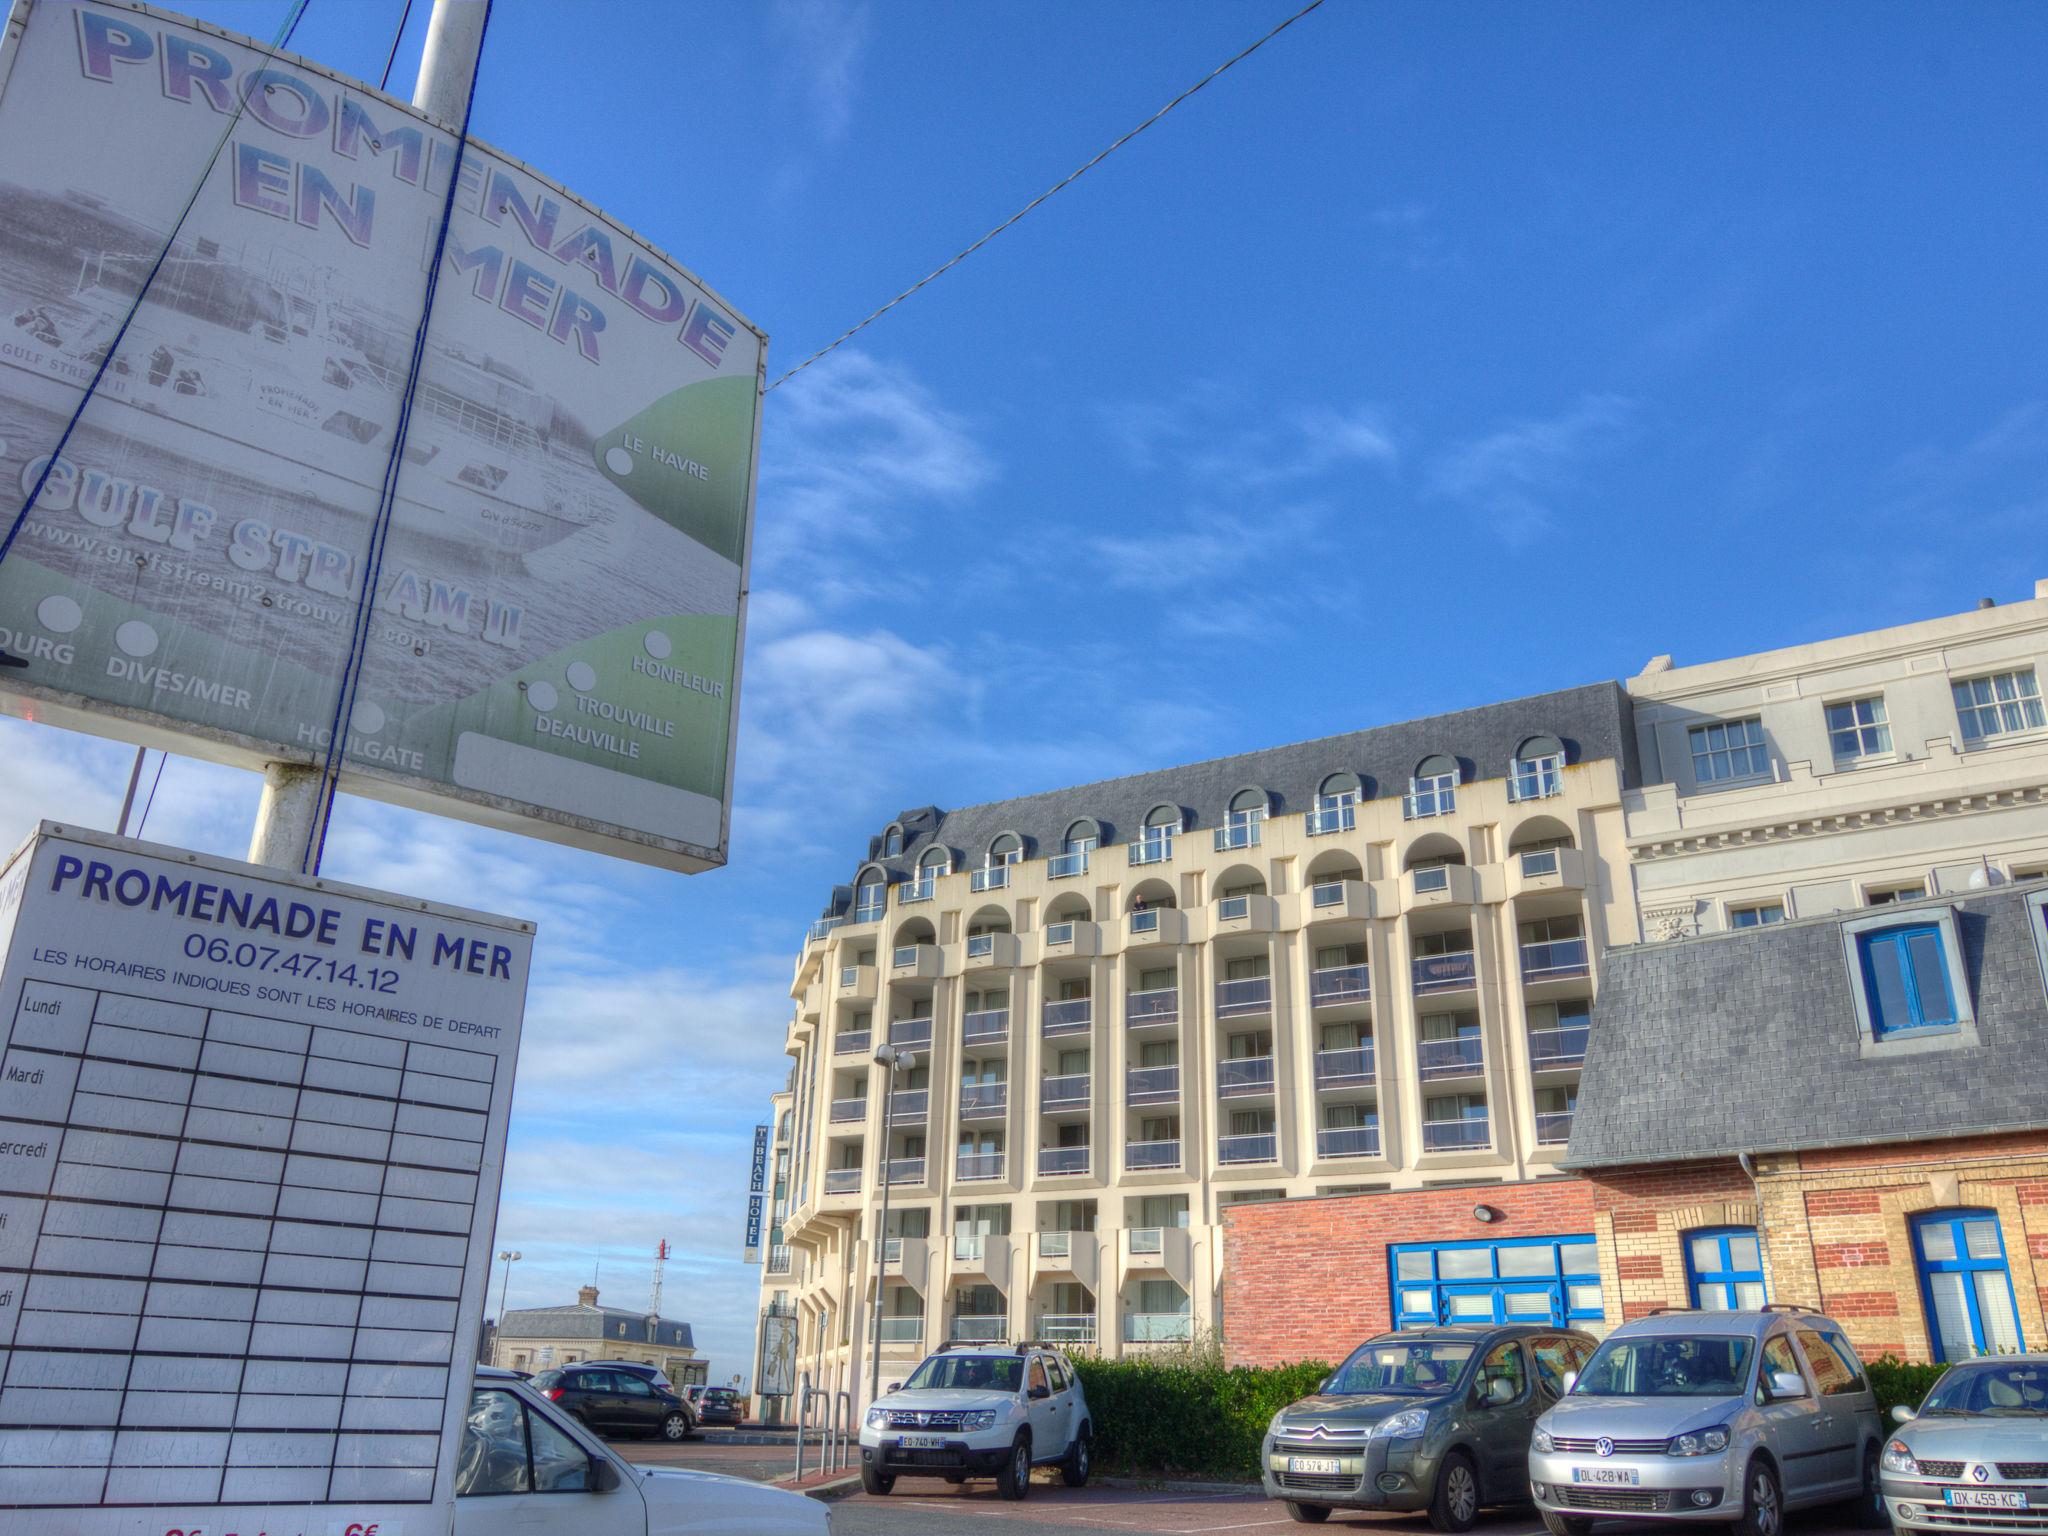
[(554, 623), (757, 1186)]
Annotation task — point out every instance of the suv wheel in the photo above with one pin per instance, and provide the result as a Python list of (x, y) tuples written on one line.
[(1013, 1479), (1763, 1508), (876, 1483), (1567, 1525), (1075, 1468), (1455, 1504), (1308, 1514), (676, 1427)]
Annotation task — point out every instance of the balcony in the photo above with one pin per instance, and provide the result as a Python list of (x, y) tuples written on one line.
[(1348, 1141), (993, 878), (911, 1034), (1069, 1016), (906, 1170), (1234, 909), (1327, 819), (1553, 1127), (1158, 1327), (1326, 893), (1352, 1068), (1463, 1056), (778, 1259), (971, 1166), (969, 1247), (1437, 799), (1263, 1147), (989, 949), (901, 1330), (1060, 1094), (1243, 997), (1242, 834), (984, 1101), (989, 1026), (910, 961), (851, 1042), (981, 946), (857, 981), (909, 1104), (1071, 938), (1161, 1005), (1334, 984), (1156, 925), (1546, 869), (892, 1253), (1456, 972), (980, 1328), (1153, 848), (1551, 1050), (1535, 781), (1056, 1245), (1555, 960), (914, 891), (871, 909), (821, 928), (1150, 1156), (1456, 1135), (1062, 1160), (845, 1111), (842, 1181), (1152, 1085), (1538, 863), (1146, 1242), (1065, 866), (1067, 1327), (1244, 1077)]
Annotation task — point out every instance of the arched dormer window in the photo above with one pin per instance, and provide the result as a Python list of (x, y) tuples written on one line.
[(1336, 807), (870, 894), (1537, 770), (1434, 789), (1244, 822), (931, 864), (1154, 842), (1076, 844), (892, 843), (1004, 851)]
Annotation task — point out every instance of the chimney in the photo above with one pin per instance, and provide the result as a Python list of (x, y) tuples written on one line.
[(587, 1297), (1987, 602)]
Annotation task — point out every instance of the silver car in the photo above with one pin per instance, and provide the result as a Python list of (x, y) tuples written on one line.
[(1975, 1457), (1733, 1417)]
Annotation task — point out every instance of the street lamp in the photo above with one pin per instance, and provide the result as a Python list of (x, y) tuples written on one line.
[(510, 1259), (891, 1059)]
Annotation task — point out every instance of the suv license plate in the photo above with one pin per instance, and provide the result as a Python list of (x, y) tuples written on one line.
[(1985, 1498), (1329, 1466), (922, 1442), (1626, 1477)]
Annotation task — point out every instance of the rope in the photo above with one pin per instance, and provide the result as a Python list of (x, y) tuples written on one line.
[(404, 16), (161, 762)]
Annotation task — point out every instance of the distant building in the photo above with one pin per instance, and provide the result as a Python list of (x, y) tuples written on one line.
[(541, 1338)]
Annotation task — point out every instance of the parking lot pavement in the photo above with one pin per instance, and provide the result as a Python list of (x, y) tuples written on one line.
[(715, 1451)]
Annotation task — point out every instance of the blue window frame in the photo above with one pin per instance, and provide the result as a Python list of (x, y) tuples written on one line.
[(1965, 1285), (1551, 1280), (1905, 979), (1724, 1266)]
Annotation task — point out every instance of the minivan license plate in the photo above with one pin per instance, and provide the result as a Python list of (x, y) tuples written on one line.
[(1985, 1498), (1626, 1477), (1327, 1465), (922, 1442)]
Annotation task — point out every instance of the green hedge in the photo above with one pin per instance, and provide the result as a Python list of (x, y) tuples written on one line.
[(1186, 1414), (1894, 1381)]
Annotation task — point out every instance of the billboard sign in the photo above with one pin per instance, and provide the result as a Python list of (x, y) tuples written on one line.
[(755, 1205), (252, 1131), (758, 1181), (555, 620), (775, 1372)]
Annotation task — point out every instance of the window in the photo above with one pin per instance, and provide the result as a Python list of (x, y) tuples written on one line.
[(1729, 750), (1516, 1280), (1831, 1361), (1906, 979), (892, 843), (1725, 1269), (2002, 704), (1537, 770), (1433, 790), (1557, 1357), (1857, 728), (1778, 1361), (1884, 895), (1504, 1363), (1965, 1284), (508, 1448), (1757, 915)]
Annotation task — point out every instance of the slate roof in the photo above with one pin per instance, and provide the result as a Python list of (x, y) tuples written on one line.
[(593, 1323), (1748, 1041), (1594, 722)]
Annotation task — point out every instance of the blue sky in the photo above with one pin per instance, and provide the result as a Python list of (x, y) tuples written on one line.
[(1434, 355)]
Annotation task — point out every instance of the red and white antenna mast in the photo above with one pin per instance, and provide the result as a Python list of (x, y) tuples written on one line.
[(660, 1258)]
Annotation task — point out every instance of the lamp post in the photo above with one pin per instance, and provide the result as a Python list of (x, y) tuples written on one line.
[(891, 1059), (505, 1288)]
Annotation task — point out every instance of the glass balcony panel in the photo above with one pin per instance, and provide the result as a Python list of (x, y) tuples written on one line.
[(1420, 803), (910, 1104), (1559, 957), (993, 878), (1059, 935), (981, 946), (902, 955), (821, 927), (1537, 780), (1150, 849), (1158, 1327), (1445, 973), (1433, 879), (1248, 994), (1144, 1240), (844, 1110), (983, 1101), (848, 975), (1052, 1160), (1141, 1156), (902, 1330), (1145, 922), (1249, 1074), (980, 1328), (967, 1247), (870, 909), (911, 1032), (1233, 909), (1540, 861), (1345, 1068), (906, 1170), (1055, 1245), (1339, 984), (1241, 834), (842, 1181), (1159, 1006), (916, 891), (987, 1026), (1331, 818), (892, 1250), (1461, 1057), (979, 1165), (1261, 1148), (1564, 1046), (849, 1042), (1152, 1085), (1454, 1135), (1064, 1092), (1069, 1016), (1064, 866), (1553, 1127), (1066, 1327), (1330, 893), (1348, 1141)]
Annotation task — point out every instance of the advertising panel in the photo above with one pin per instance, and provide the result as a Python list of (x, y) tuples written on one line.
[(775, 1372), (252, 1129), (555, 619)]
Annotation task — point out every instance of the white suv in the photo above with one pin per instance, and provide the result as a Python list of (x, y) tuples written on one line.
[(980, 1410)]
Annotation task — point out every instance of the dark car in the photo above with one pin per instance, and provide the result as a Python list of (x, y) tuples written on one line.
[(720, 1405), (613, 1400), (1434, 1419)]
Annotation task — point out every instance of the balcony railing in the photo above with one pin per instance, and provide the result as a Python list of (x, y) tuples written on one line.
[(1564, 1046), (1161, 1005), (1334, 984), (1143, 1156), (1557, 958), (1055, 1245), (1158, 1327), (1535, 781), (988, 1026), (1147, 1240), (1462, 1056), (980, 1328), (901, 1330), (892, 1251), (967, 1247), (1069, 1016), (922, 889), (902, 955), (1066, 1092), (1553, 1127), (1435, 801), (978, 1165), (1348, 1141), (1431, 879), (993, 878), (844, 1110), (1353, 1068), (1539, 861), (1059, 935), (821, 928), (910, 1104), (1455, 1135), (870, 911), (849, 1042), (778, 1259), (1146, 921), (842, 1181), (1445, 973), (1244, 1075), (1067, 1327), (1264, 1147), (1056, 1160), (1064, 866), (1240, 834), (911, 1032), (906, 1170), (1326, 893), (1233, 909), (849, 975), (1246, 995), (1152, 1085), (981, 946), (1331, 818), (984, 1101), (1153, 848)]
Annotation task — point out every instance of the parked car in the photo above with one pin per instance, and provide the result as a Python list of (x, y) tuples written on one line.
[(720, 1405), (980, 1410), (1434, 1419), (1975, 1457), (653, 1373), (525, 1465), (616, 1401), (1733, 1417)]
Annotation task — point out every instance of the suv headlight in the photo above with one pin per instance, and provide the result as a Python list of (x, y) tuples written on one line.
[(1404, 1425), (980, 1418), (1700, 1442), (1898, 1459), (1541, 1442), (876, 1417)]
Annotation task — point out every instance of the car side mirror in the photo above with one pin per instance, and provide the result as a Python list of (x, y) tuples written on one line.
[(1787, 1384), (1571, 1379), (895, 1386), (1038, 1392), (1326, 1383), (1901, 1414), (604, 1476)]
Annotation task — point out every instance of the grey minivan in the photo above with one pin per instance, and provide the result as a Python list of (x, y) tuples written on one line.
[(1434, 1419), (1733, 1417)]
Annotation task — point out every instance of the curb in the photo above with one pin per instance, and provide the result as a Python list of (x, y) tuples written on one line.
[(825, 1493)]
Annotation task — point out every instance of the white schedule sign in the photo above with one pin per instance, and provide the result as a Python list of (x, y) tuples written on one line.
[(252, 1128)]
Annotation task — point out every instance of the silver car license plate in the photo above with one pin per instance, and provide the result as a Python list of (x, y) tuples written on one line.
[(1985, 1498), (1622, 1477), (922, 1442), (1327, 1465)]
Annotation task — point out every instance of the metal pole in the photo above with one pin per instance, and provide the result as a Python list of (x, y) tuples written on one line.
[(285, 815), (882, 1236), (455, 35), (128, 800)]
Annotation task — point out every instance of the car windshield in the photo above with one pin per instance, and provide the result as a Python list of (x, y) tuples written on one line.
[(1401, 1365), (967, 1373), (2018, 1389), (1666, 1366)]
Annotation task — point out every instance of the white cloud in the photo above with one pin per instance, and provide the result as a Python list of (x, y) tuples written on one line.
[(1201, 431), (826, 41), (1512, 476)]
